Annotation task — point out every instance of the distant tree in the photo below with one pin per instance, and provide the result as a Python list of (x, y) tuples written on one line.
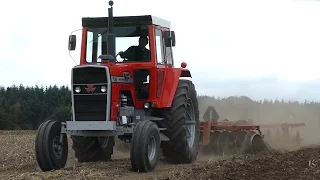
[(24, 107)]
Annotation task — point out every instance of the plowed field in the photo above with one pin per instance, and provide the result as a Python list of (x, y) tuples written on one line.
[(17, 161)]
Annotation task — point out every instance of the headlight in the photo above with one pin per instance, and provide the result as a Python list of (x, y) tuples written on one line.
[(146, 105), (103, 89), (77, 89)]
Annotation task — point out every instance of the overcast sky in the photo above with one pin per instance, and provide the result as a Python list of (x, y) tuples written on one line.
[(255, 45)]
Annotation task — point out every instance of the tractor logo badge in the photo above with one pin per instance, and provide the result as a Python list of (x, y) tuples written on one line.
[(90, 88)]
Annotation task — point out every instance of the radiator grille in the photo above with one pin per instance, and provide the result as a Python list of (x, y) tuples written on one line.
[(90, 107), (90, 104)]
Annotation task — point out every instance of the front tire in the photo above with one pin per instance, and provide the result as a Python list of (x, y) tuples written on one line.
[(182, 123), (50, 153), (145, 146)]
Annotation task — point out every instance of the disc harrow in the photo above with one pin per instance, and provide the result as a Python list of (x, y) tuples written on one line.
[(226, 138), (239, 137)]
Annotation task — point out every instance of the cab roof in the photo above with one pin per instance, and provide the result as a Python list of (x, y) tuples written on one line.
[(125, 21)]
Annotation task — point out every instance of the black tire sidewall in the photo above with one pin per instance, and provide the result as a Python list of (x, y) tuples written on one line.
[(139, 146), (177, 150), (195, 147), (39, 147), (151, 132), (46, 159), (52, 132)]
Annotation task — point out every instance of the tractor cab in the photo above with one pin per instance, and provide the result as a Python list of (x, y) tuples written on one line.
[(137, 39), (133, 48)]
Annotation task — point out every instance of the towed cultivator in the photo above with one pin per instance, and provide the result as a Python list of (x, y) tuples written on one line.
[(240, 137)]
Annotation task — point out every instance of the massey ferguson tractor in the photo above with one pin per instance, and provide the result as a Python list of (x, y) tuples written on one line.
[(135, 94)]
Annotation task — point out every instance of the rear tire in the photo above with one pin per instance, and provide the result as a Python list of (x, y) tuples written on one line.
[(184, 109), (50, 154), (92, 149), (145, 146)]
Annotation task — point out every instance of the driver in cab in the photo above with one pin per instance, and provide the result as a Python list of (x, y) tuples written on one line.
[(137, 53)]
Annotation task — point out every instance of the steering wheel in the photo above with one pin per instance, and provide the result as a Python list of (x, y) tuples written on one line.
[(124, 59)]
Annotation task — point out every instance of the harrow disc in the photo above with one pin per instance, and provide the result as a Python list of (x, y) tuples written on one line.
[(239, 141), (254, 143), (223, 143), (236, 142), (231, 142), (213, 145)]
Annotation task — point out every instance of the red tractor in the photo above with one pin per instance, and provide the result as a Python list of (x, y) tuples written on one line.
[(136, 94)]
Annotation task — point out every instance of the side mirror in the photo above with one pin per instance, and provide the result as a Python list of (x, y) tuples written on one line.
[(72, 42), (170, 38)]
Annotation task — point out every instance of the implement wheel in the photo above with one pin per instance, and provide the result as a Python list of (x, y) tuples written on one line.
[(51, 152), (145, 146)]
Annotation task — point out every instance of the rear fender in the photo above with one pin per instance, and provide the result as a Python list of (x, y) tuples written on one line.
[(172, 77), (185, 73)]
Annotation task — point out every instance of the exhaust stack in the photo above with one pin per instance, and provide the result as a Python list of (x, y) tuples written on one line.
[(111, 38)]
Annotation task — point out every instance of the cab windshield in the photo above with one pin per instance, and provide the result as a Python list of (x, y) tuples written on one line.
[(132, 44)]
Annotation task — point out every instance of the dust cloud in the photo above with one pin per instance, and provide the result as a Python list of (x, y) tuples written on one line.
[(270, 112)]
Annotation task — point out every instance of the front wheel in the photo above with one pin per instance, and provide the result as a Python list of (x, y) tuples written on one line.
[(145, 146), (50, 152)]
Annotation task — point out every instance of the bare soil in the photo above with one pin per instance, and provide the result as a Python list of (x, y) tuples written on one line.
[(17, 161)]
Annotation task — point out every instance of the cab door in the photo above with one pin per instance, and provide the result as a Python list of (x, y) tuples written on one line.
[(161, 65)]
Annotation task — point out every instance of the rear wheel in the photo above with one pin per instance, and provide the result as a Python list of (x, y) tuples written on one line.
[(91, 149), (182, 123)]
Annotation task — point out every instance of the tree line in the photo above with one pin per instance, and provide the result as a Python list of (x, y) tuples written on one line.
[(27, 107)]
